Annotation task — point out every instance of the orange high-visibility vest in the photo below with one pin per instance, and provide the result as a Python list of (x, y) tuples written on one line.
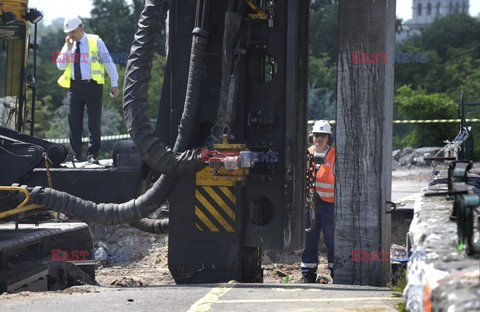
[(325, 178)]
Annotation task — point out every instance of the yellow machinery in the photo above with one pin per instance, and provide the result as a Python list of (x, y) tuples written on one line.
[(13, 56)]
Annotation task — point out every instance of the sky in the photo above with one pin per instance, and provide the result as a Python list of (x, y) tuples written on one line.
[(53, 9)]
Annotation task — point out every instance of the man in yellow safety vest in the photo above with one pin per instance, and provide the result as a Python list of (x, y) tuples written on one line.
[(84, 59)]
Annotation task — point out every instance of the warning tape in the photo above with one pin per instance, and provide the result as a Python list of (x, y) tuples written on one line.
[(310, 122), (85, 139), (418, 121)]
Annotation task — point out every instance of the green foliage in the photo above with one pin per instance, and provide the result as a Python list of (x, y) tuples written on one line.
[(115, 22), (322, 72), (452, 31), (156, 83), (323, 28), (321, 90), (417, 104), (453, 48), (322, 69), (399, 288), (321, 104)]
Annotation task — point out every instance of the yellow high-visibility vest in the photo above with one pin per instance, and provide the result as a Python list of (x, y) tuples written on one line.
[(96, 66)]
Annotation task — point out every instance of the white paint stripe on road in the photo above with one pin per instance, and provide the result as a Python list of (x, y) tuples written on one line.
[(205, 304), (311, 300), (409, 197)]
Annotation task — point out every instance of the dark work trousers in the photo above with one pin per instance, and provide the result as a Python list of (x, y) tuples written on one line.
[(324, 218), (80, 95)]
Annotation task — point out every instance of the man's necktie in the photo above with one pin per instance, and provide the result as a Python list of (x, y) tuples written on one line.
[(76, 65)]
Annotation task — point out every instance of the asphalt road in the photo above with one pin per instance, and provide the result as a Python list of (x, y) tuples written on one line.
[(223, 297), (210, 297), (408, 183)]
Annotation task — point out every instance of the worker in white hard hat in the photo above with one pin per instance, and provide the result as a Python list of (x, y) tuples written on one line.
[(323, 172), (84, 59)]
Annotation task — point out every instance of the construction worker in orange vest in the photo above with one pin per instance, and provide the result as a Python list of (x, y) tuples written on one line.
[(321, 138)]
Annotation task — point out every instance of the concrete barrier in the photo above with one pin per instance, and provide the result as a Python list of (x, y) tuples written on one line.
[(448, 280)]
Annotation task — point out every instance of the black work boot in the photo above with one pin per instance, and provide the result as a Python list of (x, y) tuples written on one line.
[(309, 277)]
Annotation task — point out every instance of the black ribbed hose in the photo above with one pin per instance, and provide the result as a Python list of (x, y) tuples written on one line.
[(135, 99), (191, 110)]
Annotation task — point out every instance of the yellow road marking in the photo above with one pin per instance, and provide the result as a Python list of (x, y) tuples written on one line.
[(229, 194), (309, 300), (205, 304), (198, 227), (213, 211), (220, 202), (205, 220)]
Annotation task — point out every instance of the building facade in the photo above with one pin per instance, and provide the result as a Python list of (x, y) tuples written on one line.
[(425, 11)]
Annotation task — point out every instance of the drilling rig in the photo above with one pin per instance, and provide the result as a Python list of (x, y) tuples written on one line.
[(228, 150)]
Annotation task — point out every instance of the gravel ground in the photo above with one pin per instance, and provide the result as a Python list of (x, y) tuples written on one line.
[(147, 264)]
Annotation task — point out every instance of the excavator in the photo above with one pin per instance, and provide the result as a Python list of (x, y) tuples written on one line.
[(227, 151)]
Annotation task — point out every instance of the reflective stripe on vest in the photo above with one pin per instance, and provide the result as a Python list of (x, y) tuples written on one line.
[(96, 66), (325, 179), (309, 265), (325, 185)]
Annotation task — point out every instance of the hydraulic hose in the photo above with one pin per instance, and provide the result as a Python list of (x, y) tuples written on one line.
[(150, 148), (155, 226), (135, 99), (191, 110)]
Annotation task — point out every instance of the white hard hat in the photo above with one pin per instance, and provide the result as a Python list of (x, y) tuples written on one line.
[(71, 23), (322, 126)]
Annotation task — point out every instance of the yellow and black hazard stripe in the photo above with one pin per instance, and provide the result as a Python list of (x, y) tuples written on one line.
[(215, 208)]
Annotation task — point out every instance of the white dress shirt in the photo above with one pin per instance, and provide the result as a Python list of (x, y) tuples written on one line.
[(110, 68)]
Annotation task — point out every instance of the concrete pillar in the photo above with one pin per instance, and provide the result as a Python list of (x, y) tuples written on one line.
[(364, 140)]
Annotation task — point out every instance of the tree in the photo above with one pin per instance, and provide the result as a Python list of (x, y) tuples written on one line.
[(321, 104), (452, 31), (322, 76), (453, 48), (116, 22), (113, 21), (417, 104), (323, 28)]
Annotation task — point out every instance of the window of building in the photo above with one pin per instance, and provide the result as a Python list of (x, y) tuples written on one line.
[(450, 8), (457, 7), (438, 8), (429, 9), (419, 9), (464, 8)]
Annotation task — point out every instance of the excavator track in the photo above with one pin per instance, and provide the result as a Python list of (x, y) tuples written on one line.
[(45, 256)]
